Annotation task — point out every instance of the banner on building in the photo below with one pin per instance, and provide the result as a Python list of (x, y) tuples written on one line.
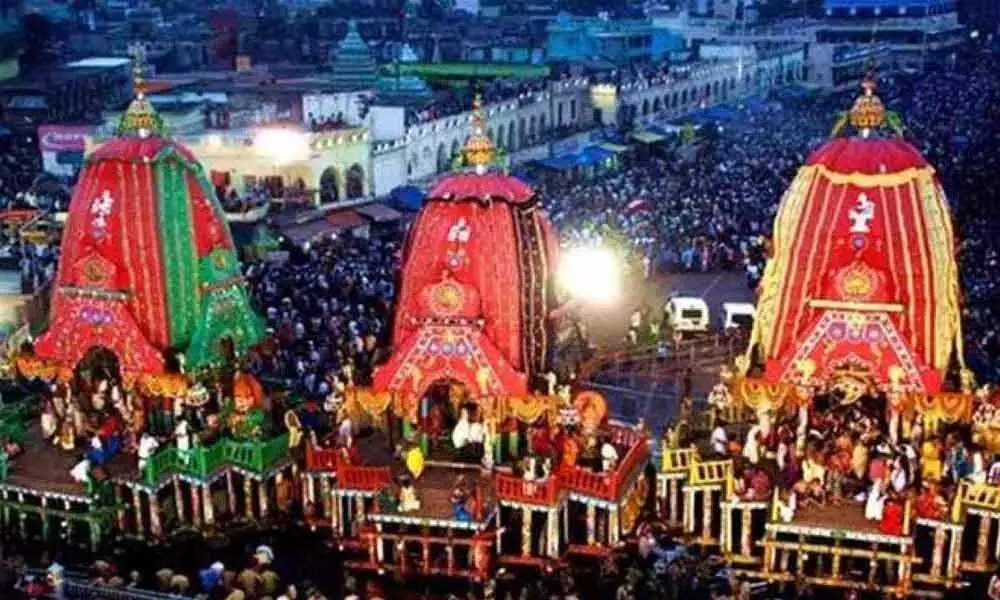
[(62, 148)]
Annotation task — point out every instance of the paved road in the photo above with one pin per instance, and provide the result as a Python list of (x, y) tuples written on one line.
[(645, 386)]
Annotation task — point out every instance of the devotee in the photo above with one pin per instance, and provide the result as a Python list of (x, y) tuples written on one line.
[(408, 501), (719, 439), (993, 588)]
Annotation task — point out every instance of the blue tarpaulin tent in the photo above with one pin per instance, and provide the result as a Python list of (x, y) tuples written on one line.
[(409, 197), (755, 104), (664, 131), (716, 114), (594, 155), (795, 92), (559, 163)]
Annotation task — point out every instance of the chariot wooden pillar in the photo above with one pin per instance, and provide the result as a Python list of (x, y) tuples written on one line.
[(675, 467), (711, 482)]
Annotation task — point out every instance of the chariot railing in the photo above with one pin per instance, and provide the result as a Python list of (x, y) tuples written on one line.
[(203, 461)]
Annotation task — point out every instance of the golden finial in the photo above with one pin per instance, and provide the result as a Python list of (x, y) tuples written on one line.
[(140, 119), (479, 149), (868, 112)]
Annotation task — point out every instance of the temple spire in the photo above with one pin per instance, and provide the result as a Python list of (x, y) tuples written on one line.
[(140, 118), (479, 150), (868, 113)]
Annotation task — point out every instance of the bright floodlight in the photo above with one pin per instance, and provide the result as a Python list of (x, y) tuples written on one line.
[(590, 274), (282, 145)]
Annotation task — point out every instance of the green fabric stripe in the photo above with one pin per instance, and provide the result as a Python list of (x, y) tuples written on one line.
[(180, 262), (226, 312)]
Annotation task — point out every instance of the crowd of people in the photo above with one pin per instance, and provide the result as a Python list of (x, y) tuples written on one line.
[(712, 206), (20, 165), (328, 307), (454, 101)]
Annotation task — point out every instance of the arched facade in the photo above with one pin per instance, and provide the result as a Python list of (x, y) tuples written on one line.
[(355, 183), (329, 185)]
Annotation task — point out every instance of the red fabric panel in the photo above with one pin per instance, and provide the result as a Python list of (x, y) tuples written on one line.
[(894, 251), (871, 156), (137, 149), (83, 323), (441, 352), (489, 265), (830, 343), (111, 242), (210, 230), (463, 186)]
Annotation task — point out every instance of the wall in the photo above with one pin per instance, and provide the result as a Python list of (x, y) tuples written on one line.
[(337, 150), (707, 84), (326, 106), (388, 167), (387, 122)]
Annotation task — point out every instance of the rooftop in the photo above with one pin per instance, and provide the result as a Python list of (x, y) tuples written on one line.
[(99, 62)]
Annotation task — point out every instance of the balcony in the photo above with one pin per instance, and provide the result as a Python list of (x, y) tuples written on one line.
[(510, 488), (362, 478), (321, 460), (611, 485)]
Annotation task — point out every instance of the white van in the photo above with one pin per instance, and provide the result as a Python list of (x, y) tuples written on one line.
[(738, 315), (686, 314)]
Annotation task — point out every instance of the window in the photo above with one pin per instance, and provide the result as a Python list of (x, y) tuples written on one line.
[(572, 110)]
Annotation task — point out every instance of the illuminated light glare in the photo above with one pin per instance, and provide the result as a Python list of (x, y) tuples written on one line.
[(282, 145), (590, 274)]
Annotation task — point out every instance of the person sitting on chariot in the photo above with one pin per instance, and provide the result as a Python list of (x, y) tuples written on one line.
[(459, 500), (719, 439), (66, 440), (11, 448), (147, 447), (408, 501), (875, 500), (892, 515), (786, 505), (977, 470), (930, 503), (570, 451), (931, 466), (811, 492), (958, 464), (437, 422), (49, 421), (993, 473), (757, 485), (790, 472), (609, 456), (813, 468), (349, 452), (671, 435), (386, 501), (900, 474)]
